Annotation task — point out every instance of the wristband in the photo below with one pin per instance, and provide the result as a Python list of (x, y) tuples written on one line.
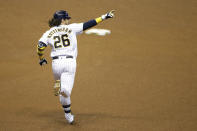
[(98, 20)]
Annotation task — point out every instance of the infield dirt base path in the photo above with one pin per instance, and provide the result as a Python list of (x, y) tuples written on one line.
[(141, 77)]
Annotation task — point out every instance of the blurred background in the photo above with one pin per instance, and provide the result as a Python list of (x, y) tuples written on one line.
[(140, 77)]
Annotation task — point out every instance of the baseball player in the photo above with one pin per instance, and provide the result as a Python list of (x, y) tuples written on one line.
[(61, 37)]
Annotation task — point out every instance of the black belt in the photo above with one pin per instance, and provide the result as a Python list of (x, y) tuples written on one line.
[(57, 57)]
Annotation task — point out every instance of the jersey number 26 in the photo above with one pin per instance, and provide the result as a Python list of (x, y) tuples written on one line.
[(61, 41)]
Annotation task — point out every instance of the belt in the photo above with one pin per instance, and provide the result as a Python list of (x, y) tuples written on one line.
[(57, 57)]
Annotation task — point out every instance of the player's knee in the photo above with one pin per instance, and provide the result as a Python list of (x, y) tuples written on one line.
[(65, 93)]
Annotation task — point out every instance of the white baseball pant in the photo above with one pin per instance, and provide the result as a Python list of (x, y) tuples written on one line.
[(64, 70)]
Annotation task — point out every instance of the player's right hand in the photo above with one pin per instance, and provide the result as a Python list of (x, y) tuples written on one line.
[(43, 61)]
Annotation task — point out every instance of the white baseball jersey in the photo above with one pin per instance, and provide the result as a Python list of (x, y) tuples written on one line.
[(62, 39)]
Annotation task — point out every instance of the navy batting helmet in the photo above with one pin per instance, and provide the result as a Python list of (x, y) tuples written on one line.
[(61, 14)]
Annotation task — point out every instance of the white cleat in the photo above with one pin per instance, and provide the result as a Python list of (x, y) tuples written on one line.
[(69, 117)]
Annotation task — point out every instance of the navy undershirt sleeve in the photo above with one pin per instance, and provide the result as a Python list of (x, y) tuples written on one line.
[(41, 44), (89, 24)]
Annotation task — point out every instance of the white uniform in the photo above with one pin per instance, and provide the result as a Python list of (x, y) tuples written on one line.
[(62, 39), (63, 42)]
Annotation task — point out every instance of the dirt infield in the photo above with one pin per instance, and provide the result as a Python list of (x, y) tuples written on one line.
[(141, 77)]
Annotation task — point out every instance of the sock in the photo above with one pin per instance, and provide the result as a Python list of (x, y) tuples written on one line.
[(66, 108), (66, 102)]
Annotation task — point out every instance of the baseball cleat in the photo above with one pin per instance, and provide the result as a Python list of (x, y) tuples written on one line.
[(69, 117), (56, 88)]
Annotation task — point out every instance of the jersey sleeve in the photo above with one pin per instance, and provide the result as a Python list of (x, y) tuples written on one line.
[(44, 38), (77, 28)]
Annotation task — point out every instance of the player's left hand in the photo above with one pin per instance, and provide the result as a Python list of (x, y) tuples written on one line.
[(43, 62), (108, 15)]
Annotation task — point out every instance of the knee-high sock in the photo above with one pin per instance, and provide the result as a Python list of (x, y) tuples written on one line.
[(66, 103)]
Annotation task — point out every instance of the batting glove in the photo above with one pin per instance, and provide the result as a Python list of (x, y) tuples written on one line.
[(108, 15), (43, 61)]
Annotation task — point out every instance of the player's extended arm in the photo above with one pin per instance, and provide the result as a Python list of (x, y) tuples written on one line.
[(94, 22), (40, 51)]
